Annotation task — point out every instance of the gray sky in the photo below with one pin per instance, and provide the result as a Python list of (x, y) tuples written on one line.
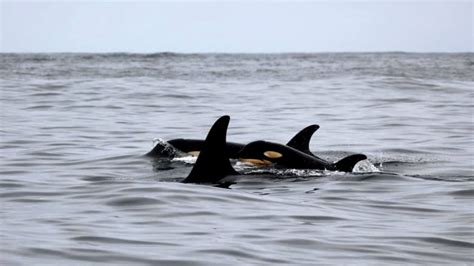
[(268, 26)]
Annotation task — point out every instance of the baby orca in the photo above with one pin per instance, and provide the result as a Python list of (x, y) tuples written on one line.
[(193, 146), (213, 164), (264, 152)]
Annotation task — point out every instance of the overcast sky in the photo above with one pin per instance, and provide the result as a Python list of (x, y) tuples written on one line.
[(268, 26)]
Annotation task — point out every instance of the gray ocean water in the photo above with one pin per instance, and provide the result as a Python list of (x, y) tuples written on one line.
[(76, 189)]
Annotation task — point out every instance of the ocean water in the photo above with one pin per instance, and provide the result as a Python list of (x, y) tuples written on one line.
[(76, 189)]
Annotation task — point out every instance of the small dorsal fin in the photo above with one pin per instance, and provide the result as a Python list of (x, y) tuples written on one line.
[(213, 163), (347, 164), (301, 140)]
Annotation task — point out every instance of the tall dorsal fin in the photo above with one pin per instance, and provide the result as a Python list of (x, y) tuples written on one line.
[(213, 163), (301, 140), (347, 164)]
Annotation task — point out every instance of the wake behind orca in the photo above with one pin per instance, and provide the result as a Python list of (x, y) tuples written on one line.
[(213, 163)]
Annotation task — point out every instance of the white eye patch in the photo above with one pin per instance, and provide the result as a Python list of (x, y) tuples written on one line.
[(272, 154)]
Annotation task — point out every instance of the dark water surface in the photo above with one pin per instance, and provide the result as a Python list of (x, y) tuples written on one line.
[(75, 188)]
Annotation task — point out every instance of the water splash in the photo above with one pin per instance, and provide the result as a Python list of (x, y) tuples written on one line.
[(163, 148), (365, 166), (188, 159)]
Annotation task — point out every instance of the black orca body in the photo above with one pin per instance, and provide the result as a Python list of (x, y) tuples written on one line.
[(301, 140), (213, 164), (193, 146), (285, 156), (190, 146)]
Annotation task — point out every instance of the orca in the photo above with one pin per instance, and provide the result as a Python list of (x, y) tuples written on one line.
[(265, 152), (193, 146), (213, 163)]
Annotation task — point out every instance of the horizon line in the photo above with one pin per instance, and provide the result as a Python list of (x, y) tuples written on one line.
[(250, 53)]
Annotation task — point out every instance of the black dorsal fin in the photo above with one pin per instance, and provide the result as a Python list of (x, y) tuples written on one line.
[(347, 164), (213, 163), (301, 140)]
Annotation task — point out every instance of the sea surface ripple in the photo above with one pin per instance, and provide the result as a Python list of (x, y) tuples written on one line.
[(76, 189)]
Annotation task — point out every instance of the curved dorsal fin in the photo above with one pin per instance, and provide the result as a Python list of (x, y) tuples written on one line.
[(301, 140), (213, 163), (347, 164)]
